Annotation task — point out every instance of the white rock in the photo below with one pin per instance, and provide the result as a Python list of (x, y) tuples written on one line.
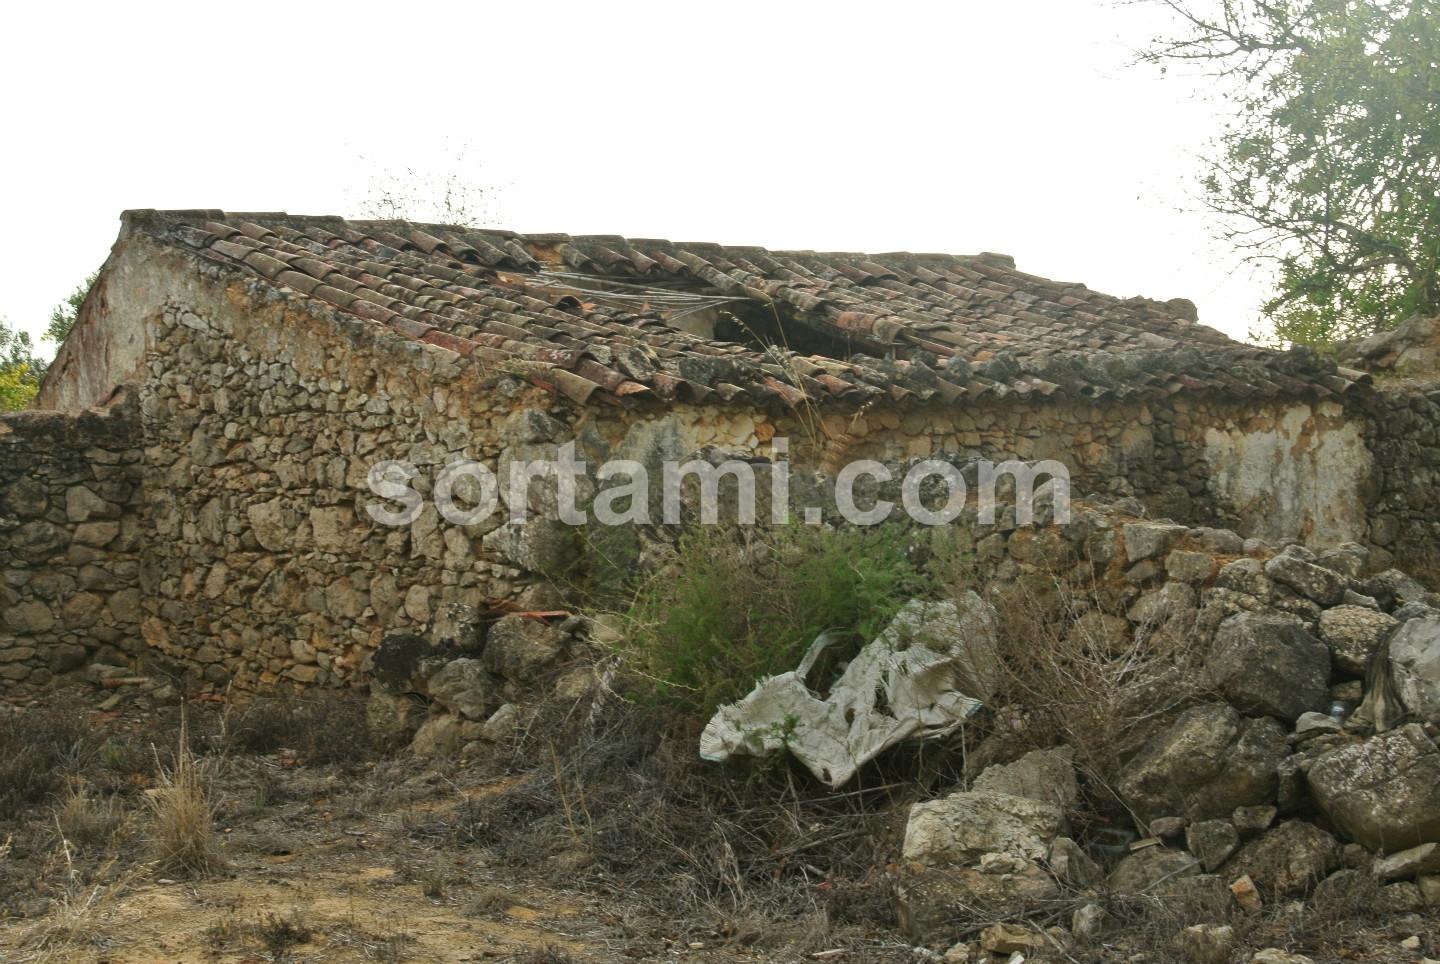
[(963, 827), (1415, 666)]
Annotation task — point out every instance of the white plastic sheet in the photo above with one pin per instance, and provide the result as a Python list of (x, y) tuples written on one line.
[(932, 667)]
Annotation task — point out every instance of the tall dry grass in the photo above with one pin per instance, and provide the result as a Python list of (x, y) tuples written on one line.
[(182, 827)]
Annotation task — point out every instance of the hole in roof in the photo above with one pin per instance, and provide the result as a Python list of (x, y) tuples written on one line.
[(700, 309), (760, 326)]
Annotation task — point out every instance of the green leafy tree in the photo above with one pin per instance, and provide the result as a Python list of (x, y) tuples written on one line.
[(20, 370), (63, 315), (1330, 169)]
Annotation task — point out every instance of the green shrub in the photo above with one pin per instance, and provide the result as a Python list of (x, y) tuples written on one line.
[(736, 607)]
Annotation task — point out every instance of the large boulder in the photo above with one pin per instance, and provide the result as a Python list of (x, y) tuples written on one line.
[(464, 686), (1269, 666), (1247, 577), (445, 736), (392, 720), (1225, 542), (963, 827), (1172, 601), (520, 648), (1189, 566), (1421, 861), (1353, 633), (1142, 871), (1146, 540), (1287, 861), (1349, 559), (1212, 841), (1411, 347), (1047, 775), (1394, 589), (1207, 943), (1415, 667), (542, 544), (1071, 865), (1173, 878), (975, 851), (1210, 761), (1384, 792), (1293, 567)]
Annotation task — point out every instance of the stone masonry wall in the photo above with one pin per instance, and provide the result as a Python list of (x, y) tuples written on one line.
[(70, 540), (1405, 516), (262, 416), (263, 419), (265, 565)]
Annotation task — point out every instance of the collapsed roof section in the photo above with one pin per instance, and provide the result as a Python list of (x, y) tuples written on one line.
[(606, 319)]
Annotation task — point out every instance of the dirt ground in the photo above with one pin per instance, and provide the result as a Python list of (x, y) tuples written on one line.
[(362, 860), (331, 850)]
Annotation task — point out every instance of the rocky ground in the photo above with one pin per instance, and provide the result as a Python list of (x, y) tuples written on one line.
[(1215, 752), (365, 856)]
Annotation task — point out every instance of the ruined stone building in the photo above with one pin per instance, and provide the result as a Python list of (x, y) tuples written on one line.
[(193, 484)]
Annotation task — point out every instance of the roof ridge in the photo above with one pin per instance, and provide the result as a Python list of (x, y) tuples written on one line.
[(603, 317), (145, 217)]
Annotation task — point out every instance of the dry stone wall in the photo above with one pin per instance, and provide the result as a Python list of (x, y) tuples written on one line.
[(263, 418), (261, 427), (263, 415), (1405, 517), (70, 541)]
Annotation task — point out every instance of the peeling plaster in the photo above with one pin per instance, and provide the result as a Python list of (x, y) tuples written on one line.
[(1300, 473)]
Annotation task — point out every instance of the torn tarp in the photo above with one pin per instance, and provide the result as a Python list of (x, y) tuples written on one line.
[(932, 667)]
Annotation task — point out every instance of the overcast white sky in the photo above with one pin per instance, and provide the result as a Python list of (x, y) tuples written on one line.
[(1013, 126)]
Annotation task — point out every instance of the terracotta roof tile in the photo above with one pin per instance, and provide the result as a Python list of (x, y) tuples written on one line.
[(609, 319)]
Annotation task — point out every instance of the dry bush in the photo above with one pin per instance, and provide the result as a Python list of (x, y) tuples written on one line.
[(279, 934), (321, 728), (492, 901), (224, 933), (125, 758), (78, 915), (88, 820), (75, 920), (391, 948), (275, 934), (615, 792), (1346, 916), (182, 830), (263, 725), (1101, 692), (37, 748)]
